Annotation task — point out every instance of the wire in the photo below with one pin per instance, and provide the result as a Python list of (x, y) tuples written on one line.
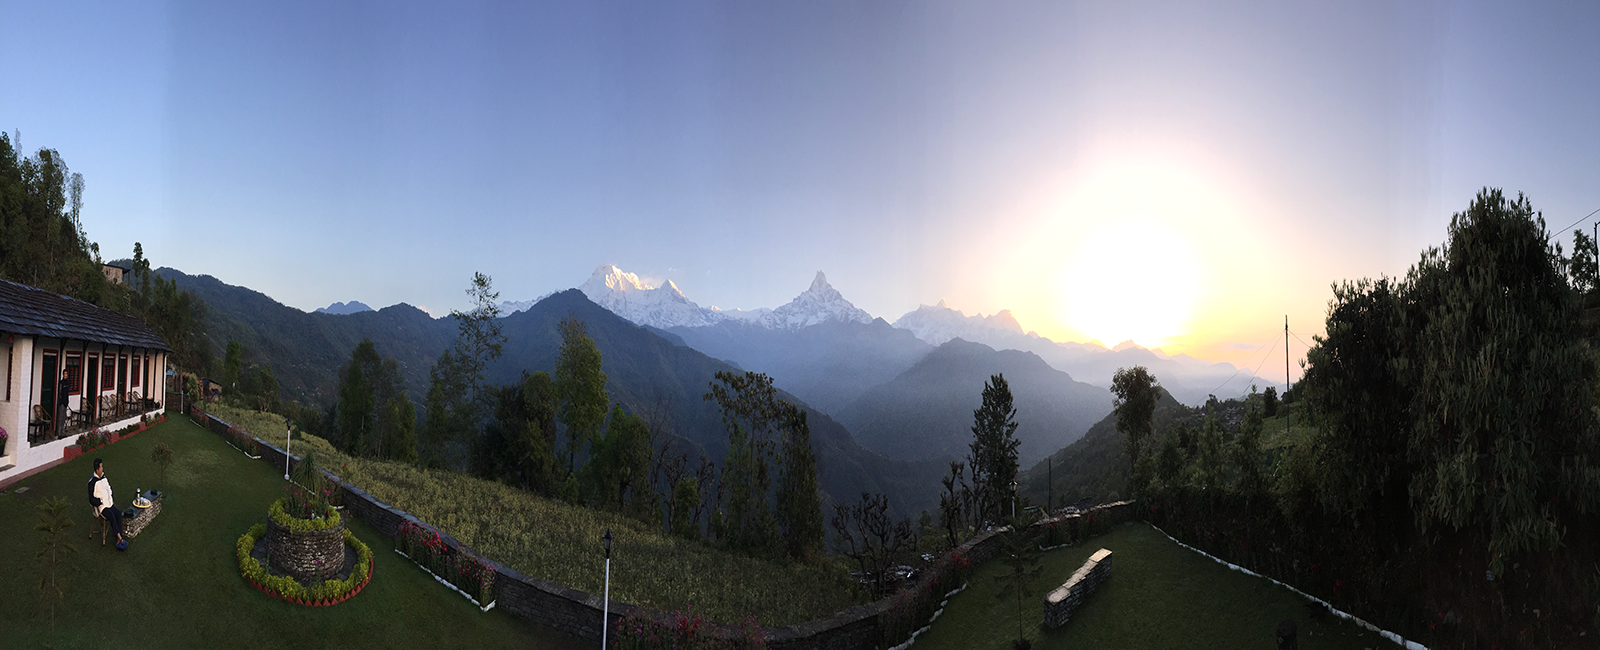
[(1252, 374), (1297, 338), (1585, 218)]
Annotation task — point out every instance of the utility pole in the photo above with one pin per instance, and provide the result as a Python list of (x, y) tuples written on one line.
[(1286, 374), (1049, 486)]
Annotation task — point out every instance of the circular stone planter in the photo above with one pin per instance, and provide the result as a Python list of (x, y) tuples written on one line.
[(305, 554)]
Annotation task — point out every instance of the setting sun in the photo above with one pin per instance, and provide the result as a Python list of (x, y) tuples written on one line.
[(1131, 279)]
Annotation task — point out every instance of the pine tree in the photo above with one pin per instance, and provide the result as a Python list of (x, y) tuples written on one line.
[(993, 456)]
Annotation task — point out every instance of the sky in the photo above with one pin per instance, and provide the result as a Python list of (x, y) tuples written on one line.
[(1182, 174)]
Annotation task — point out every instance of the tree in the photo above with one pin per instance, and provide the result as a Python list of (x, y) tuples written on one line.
[(1136, 392), (233, 364), (1585, 266), (161, 455), (799, 503), (993, 455), (869, 536), (357, 403), (53, 523), (457, 401), (1503, 383), (1020, 555), (758, 423), (685, 502), (582, 386), (266, 393), (1269, 402), (956, 508), (479, 340)]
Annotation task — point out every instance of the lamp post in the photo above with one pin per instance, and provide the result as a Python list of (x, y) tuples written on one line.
[(605, 608), (288, 433), (1013, 499)]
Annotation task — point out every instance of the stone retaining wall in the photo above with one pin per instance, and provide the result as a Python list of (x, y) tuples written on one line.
[(304, 554), (1064, 600)]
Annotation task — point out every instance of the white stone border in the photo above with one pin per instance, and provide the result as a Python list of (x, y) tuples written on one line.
[(931, 619), (481, 607), (1397, 639)]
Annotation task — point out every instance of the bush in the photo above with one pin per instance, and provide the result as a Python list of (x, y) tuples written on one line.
[(293, 521), (288, 588)]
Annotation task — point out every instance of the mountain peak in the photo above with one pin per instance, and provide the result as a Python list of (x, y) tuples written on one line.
[(939, 323), (818, 304), (820, 283), (625, 295)]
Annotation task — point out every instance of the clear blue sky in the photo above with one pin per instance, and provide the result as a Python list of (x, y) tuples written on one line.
[(997, 155)]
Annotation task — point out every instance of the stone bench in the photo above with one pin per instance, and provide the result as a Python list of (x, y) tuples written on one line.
[(1060, 603), (135, 519)]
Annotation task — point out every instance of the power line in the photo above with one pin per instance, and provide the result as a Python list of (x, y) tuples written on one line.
[(1297, 338), (1252, 374), (1585, 217)]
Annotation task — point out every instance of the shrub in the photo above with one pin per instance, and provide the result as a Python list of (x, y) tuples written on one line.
[(277, 511)]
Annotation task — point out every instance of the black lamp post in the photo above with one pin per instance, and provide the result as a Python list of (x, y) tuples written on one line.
[(605, 608)]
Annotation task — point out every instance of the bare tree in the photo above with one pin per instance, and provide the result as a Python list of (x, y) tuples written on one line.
[(871, 538)]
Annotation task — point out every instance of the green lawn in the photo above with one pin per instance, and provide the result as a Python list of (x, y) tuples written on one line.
[(1160, 595), (178, 585)]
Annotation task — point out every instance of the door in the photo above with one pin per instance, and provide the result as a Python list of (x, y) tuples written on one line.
[(122, 379), (47, 386), (91, 388)]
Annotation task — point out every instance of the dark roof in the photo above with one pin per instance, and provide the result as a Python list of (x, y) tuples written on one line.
[(31, 310)]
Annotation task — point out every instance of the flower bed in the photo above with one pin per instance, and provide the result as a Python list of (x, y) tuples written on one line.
[(315, 594), (244, 442), (468, 574)]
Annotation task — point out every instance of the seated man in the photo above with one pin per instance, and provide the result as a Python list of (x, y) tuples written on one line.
[(100, 497)]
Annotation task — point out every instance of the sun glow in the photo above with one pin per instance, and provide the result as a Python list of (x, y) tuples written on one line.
[(1133, 250), (1133, 278)]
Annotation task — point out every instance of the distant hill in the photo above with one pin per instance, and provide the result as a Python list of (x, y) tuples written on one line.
[(828, 365), (926, 411), (343, 308), (306, 350), (1096, 466)]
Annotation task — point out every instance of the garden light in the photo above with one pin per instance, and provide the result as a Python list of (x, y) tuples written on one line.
[(605, 606)]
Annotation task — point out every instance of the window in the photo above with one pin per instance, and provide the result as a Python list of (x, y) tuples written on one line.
[(74, 374), (135, 371), (9, 351), (108, 373)]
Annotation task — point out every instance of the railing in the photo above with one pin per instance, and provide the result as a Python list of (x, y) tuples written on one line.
[(103, 410)]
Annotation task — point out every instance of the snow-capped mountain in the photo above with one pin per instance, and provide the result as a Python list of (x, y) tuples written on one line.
[(819, 304), (344, 308), (626, 296), (937, 324), (509, 307), (665, 307)]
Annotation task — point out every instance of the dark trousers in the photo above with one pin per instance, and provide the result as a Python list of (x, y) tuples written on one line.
[(114, 517)]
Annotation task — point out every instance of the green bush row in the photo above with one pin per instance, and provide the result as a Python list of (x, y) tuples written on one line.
[(282, 518)]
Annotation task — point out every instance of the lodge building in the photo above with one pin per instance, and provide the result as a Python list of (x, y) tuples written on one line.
[(70, 367)]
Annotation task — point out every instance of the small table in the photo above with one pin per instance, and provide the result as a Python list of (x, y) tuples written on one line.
[(134, 518)]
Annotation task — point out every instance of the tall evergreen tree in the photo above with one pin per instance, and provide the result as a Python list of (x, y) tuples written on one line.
[(993, 456)]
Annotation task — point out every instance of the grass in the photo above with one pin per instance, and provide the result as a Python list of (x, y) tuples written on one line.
[(554, 541), (178, 585), (1160, 595)]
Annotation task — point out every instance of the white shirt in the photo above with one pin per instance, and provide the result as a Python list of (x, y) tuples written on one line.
[(102, 491)]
